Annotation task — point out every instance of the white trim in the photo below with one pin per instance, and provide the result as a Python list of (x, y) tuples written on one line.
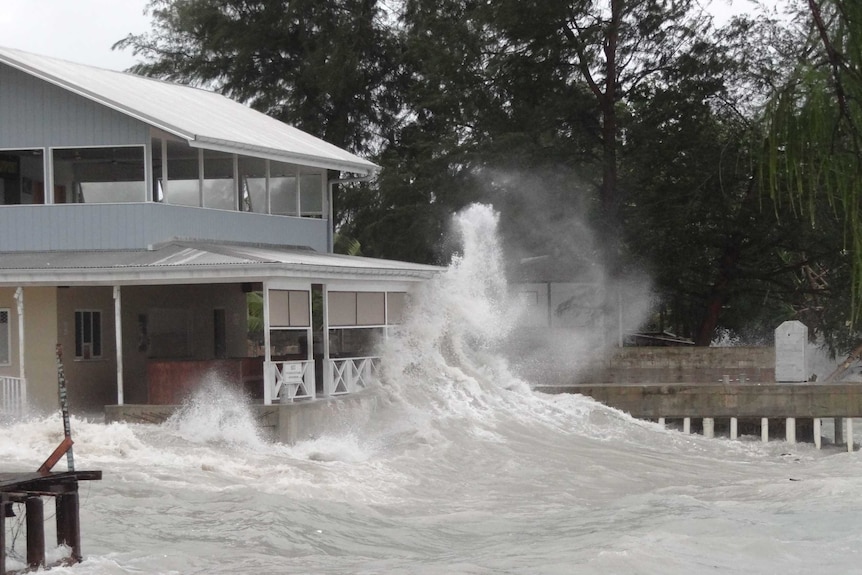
[(268, 378), (22, 352), (118, 340)]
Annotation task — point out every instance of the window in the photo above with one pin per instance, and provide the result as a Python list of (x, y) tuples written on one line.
[(99, 175), (88, 334), (5, 352)]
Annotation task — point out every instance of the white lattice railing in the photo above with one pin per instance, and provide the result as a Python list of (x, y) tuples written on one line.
[(289, 380), (13, 395), (350, 374)]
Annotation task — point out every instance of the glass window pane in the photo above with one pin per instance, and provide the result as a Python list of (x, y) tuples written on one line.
[(97, 334), (5, 343), (79, 334), (282, 195), (218, 180), (183, 186), (22, 177), (99, 175), (311, 195), (252, 174)]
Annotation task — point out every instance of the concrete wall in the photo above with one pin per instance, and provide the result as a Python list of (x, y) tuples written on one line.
[(287, 423), (683, 364)]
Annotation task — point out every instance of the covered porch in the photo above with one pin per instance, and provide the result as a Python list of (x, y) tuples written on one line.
[(148, 327)]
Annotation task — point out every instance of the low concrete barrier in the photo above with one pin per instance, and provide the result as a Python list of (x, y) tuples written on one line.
[(287, 423)]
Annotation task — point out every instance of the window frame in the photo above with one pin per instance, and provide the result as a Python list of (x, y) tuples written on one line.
[(94, 333)]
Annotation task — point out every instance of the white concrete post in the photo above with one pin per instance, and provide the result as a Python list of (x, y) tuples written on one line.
[(22, 364), (708, 427), (661, 421), (327, 364), (118, 339), (849, 421), (734, 428), (764, 429), (839, 430), (790, 430), (817, 439), (268, 375), (686, 425)]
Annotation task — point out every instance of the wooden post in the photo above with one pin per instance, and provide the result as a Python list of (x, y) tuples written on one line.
[(35, 532), (69, 523)]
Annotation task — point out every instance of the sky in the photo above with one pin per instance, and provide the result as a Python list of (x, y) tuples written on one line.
[(84, 30)]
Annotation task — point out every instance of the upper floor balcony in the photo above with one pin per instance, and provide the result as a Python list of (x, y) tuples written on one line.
[(134, 196)]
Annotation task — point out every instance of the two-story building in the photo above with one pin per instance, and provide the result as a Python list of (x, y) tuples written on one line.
[(139, 222)]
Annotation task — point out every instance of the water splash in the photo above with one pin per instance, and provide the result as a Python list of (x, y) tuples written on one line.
[(219, 414)]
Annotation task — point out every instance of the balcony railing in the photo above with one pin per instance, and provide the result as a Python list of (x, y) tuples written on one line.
[(290, 380), (139, 225), (350, 374)]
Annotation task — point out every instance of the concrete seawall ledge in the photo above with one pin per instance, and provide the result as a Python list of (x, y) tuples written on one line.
[(283, 422), (710, 400)]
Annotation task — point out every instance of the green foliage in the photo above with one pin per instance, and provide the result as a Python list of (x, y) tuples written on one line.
[(325, 66), (813, 152), (632, 120)]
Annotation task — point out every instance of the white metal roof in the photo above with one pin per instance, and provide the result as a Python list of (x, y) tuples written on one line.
[(196, 262), (203, 118)]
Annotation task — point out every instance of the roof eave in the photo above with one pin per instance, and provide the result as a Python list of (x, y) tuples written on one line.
[(364, 168)]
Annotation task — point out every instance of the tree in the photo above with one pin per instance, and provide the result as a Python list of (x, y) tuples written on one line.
[(325, 66), (814, 146)]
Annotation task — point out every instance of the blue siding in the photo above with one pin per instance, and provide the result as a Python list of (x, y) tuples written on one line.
[(37, 114), (135, 226)]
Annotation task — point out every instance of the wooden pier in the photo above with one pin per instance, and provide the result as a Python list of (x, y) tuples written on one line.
[(29, 488), (732, 402)]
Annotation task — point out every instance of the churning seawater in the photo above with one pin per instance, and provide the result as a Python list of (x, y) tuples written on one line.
[(459, 468)]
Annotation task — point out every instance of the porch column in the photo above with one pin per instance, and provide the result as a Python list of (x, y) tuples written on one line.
[(22, 366), (327, 365), (267, 353), (118, 338)]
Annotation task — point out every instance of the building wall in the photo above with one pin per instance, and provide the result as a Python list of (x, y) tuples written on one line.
[(90, 383), (40, 319), (145, 306), (35, 113)]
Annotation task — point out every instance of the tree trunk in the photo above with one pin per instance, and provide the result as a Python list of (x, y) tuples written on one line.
[(727, 268)]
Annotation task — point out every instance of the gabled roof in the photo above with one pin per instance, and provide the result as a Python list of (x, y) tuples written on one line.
[(191, 262), (203, 118)]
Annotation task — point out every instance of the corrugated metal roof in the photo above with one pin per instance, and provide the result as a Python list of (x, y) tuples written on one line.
[(177, 261), (204, 118)]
